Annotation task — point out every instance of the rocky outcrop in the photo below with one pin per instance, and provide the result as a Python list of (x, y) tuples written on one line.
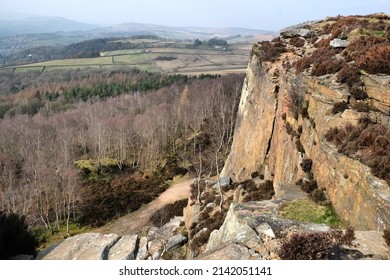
[(254, 230), (97, 246), (262, 143), (255, 123)]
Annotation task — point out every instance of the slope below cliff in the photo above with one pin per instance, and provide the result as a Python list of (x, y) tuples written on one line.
[(298, 89)]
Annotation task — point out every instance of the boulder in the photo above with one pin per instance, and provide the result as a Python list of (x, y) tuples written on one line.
[(296, 32), (231, 251), (143, 252), (168, 230), (338, 43), (175, 242), (88, 246), (43, 253), (234, 229), (223, 182), (124, 249), (265, 229)]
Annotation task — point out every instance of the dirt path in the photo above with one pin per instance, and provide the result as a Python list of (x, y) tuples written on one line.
[(132, 223)]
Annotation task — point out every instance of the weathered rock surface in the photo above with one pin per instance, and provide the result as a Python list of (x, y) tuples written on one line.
[(88, 246), (124, 249), (295, 32), (338, 43), (230, 251), (175, 242), (255, 119)]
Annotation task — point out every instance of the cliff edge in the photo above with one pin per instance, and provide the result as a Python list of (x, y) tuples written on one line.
[(315, 114)]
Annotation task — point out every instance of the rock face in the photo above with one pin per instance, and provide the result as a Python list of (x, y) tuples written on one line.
[(262, 143)]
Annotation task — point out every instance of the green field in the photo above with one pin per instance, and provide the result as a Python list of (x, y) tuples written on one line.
[(185, 60)]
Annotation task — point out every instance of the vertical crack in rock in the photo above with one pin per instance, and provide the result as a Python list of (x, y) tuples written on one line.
[(107, 249), (136, 247), (276, 91)]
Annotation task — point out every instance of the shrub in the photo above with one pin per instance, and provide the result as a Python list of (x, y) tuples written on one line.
[(299, 129), (358, 93), (297, 42), (386, 236), (318, 196), (314, 245), (289, 129), (366, 142), (339, 107), (371, 53), (264, 191), (376, 59), (304, 112), (306, 165), (327, 66), (303, 63), (349, 75), (309, 185), (346, 237), (102, 201), (163, 215), (361, 107), (306, 246), (270, 51), (295, 102), (15, 238), (299, 146)]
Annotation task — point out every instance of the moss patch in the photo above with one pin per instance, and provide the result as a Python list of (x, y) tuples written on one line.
[(94, 169), (309, 211), (47, 237)]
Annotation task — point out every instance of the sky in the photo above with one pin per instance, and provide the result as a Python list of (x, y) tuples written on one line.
[(256, 14)]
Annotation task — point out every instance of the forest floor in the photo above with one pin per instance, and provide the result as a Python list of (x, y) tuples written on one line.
[(133, 222)]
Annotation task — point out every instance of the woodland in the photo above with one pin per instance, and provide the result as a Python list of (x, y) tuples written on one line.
[(85, 147)]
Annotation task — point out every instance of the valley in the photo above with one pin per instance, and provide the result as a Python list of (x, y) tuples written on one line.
[(214, 147)]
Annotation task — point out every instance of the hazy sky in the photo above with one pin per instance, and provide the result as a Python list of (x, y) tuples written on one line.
[(258, 14)]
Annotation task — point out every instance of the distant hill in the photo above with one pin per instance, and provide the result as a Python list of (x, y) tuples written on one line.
[(21, 32), (182, 33), (42, 25)]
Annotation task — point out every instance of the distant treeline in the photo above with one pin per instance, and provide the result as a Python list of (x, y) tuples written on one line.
[(27, 93), (84, 49)]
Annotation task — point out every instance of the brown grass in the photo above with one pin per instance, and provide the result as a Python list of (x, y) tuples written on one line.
[(339, 107), (314, 245), (264, 191), (271, 51), (297, 42), (367, 142)]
